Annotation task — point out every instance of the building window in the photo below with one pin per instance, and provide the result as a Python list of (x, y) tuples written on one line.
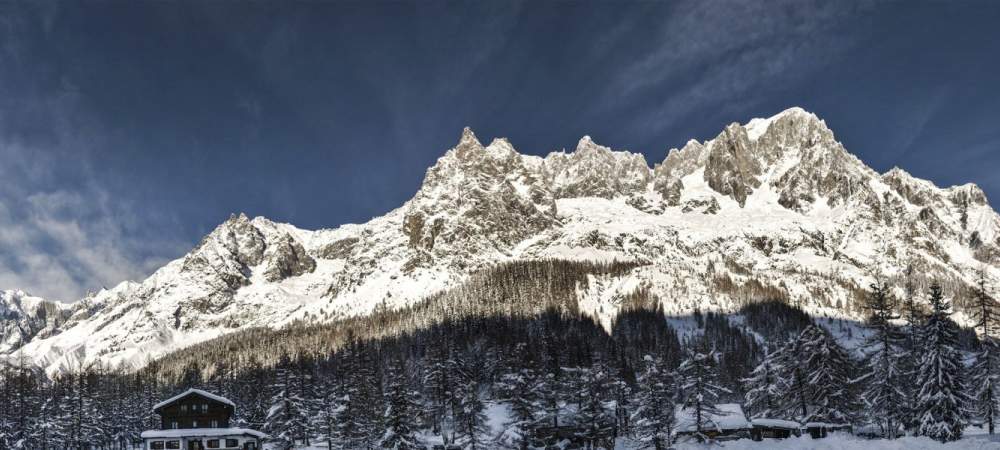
[(173, 425), (184, 408), (172, 445), (215, 424), (251, 446), (213, 443), (156, 445), (194, 424), (232, 443), (204, 407)]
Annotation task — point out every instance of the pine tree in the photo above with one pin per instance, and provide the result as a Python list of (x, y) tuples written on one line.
[(307, 392), (472, 431), (45, 431), (398, 419), (985, 374), (621, 395), (986, 384), (654, 418), (942, 397), (437, 385), (550, 399), (351, 419), (520, 390), (700, 389), (911, 346), (765, 389), (22, 386), (885, 392), (593, 421), (286, 418), (357, 409), (828, 371), (791, 374), (329, 405)]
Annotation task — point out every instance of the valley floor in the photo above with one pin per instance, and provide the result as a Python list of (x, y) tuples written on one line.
[(840, 442), (847, 442), (975, 439)]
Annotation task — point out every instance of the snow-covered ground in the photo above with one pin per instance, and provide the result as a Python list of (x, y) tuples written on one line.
[(836, 442), (848, 442), (975, 439)]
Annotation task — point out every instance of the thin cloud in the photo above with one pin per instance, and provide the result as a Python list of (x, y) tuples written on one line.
[(60, 243), (62, 232), (727, 54), (917, 115)]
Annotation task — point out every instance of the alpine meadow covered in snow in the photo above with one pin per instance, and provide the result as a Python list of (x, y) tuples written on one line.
[(823, 276)]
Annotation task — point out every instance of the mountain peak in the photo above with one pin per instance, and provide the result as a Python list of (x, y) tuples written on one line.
[(756, 128), (468, 139), (793, 110)]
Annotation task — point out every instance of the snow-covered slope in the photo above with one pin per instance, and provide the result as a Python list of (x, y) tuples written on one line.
[(773, 208), (23, 318)]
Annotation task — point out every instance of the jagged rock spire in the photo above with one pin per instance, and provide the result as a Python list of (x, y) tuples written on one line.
[(468, 138)]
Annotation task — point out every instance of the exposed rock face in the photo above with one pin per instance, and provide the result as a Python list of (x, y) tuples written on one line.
[(23, 318), (338, 249), (913, 190), (732, 169), (478, 199), (789, 131), (808, 163), (596, 171), (229, 251), (679, 163), (967, 195), (286, 258), (703, 205)]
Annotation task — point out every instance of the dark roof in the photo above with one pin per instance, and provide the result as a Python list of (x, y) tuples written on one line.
[(190, 392)]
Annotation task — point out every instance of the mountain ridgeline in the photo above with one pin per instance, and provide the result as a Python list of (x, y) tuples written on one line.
[(774, 209), (518, 302)]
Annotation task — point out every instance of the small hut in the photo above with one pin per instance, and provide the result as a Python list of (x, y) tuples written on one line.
[(730, 424), (774, 429)]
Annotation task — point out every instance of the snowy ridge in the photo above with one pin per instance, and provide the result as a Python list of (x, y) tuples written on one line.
[(773, 208)]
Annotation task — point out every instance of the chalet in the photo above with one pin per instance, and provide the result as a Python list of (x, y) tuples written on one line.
[(199, 420), (730, 424)]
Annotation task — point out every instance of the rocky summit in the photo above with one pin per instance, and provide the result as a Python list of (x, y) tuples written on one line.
[(775, 207)]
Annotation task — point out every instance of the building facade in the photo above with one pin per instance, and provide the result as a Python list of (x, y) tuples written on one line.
[(199, 420)]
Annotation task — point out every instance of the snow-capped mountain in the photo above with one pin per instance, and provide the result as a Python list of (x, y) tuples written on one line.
[(23, 318), (775, 207)]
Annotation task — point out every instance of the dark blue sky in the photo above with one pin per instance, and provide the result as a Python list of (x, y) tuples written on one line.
[(130, 129)]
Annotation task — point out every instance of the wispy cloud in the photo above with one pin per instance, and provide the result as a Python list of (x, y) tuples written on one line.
[(62, 232), (913, 122), (726, 54), (59, 239)]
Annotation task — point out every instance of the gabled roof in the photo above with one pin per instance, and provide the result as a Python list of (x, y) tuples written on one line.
[(201, 432), (188, 392)]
